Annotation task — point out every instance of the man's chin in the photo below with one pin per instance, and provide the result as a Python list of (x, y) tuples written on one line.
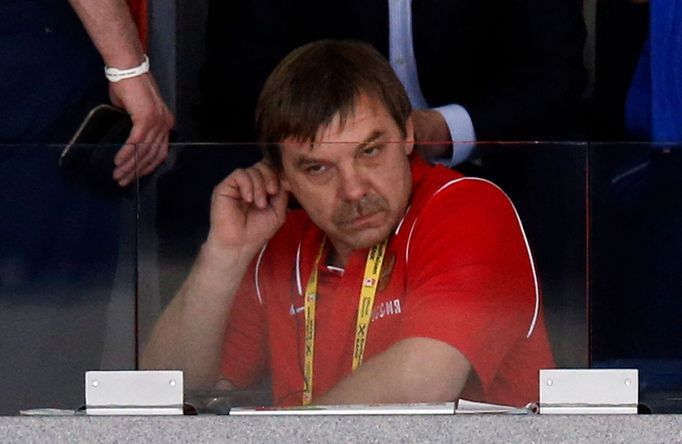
[(368, 237)]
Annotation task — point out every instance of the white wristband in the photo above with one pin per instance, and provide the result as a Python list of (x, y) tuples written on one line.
[(116, 75)]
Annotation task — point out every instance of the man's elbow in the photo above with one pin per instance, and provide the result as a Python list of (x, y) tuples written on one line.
[(436, 388), (435, 373)]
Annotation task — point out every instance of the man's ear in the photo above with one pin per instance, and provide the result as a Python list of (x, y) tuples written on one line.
[(409, 136)]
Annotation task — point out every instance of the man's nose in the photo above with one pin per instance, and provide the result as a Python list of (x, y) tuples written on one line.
[(353, 184)]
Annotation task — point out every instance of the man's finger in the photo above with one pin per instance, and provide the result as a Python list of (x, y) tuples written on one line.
[(151, 152), (145, 153), (137, 135), (144, 137), (270, 177), (260, 195), (127, 157), (127, 165), (127, 171), (125, 153), (160, 156), (243, 184)]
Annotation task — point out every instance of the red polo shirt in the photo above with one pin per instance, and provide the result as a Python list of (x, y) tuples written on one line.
[(457, 269)]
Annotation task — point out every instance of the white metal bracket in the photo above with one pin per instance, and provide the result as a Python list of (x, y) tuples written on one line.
[(158, 392), (589, 391)]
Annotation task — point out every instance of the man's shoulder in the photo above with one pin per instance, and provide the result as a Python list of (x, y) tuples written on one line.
[(450, 207), (449, 189)]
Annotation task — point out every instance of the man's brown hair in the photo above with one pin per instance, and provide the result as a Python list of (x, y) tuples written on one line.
[(319, 80)]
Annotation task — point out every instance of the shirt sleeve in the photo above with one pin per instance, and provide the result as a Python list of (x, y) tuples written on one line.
[(462, 134), (470, 280), (244, 359)]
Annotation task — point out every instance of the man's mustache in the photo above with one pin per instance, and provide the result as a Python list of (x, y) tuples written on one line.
[(349, 211)]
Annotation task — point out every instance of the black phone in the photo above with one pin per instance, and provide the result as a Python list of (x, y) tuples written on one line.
[(89, 155)]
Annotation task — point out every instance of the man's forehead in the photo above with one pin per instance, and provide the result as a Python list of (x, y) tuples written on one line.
[(367, 120), (304, 152)]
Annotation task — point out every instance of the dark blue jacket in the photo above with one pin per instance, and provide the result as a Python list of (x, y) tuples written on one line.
[(48, 66), (654, 104)]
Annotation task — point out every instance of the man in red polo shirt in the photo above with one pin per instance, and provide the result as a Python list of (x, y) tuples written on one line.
[(396, 281)]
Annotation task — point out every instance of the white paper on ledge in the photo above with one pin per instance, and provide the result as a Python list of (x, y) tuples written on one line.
[(474, 407), (445, 408)]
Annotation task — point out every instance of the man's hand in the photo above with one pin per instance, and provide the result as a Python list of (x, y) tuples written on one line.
[(112, 30), (247, 209), (152, 121), (431, 134)]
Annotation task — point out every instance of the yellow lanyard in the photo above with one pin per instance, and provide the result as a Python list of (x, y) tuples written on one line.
[(370, 281)]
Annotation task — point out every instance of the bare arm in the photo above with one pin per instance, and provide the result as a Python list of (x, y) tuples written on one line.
[(189, 335), (412, 370), (190, 332), (113, 32)]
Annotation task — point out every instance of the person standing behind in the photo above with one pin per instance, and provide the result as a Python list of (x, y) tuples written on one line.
[(59, 241), (51, 76)]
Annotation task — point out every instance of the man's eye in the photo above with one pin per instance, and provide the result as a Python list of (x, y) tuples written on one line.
[(371, 151), (315, 169)]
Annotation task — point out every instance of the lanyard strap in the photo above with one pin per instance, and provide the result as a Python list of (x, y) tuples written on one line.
[(370, 282)]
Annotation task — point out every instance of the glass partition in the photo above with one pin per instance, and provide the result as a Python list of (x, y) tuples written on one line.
[(636, 265), (87, 269), (67, 273), (173, 224), (546, 182)]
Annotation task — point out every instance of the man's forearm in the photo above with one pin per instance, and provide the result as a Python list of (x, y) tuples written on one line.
[(112, 30), (247, 209), (189, 335), (412, 370)]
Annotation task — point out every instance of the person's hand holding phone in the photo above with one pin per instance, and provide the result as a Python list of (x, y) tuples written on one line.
[(152, 121), (247, 209)]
